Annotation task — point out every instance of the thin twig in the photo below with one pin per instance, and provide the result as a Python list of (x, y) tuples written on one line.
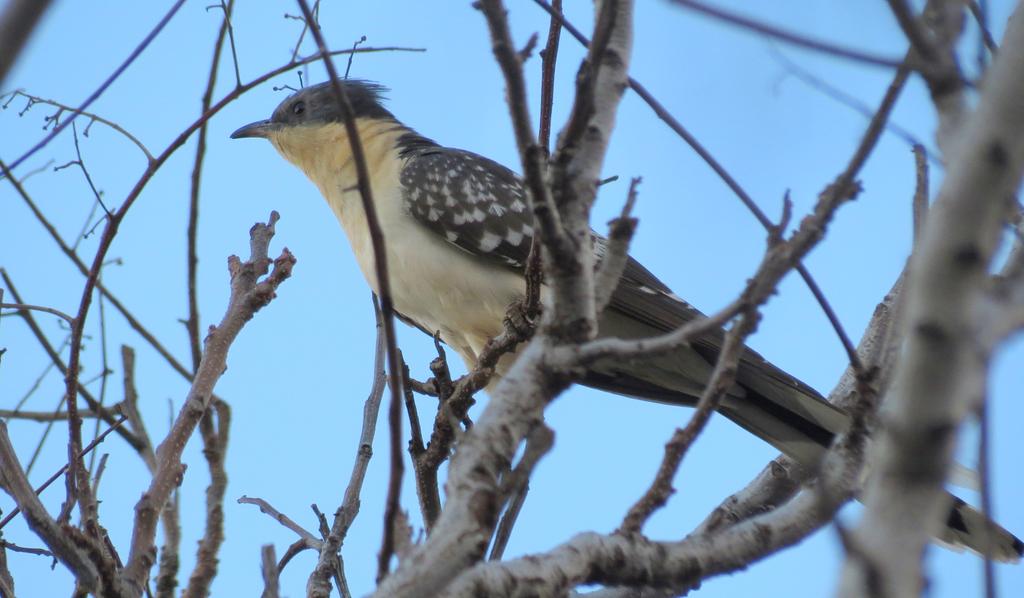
[(516, 485), (24, 549), (921, 193), (105, 372), (427, 491), (56, 359), (616, 253), (42, 308), (39, 379), (383, 292), (80, 162), (305, 28), (722, 378), (293, 549), (985, 474), (549, 58), (227, 8), (43, 416), (862, 108), (192, 323), (14, 512), (281, 518), (34, 99), (788, 36), (103, 86), (980, 17), (355, 44), (318, 584)]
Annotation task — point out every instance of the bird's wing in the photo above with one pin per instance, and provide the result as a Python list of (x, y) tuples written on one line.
[(476, 204), (480, 206)]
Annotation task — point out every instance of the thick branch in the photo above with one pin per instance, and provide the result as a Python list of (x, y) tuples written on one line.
[(941, 373), (632, 560)]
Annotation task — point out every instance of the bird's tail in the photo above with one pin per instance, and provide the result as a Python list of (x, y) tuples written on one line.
[(796, 420)]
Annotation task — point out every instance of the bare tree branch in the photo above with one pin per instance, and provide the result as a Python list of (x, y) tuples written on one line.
[(248, 295), (632, 560), (941, 372)]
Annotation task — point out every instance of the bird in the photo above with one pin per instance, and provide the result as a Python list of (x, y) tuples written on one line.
[(458, 229)]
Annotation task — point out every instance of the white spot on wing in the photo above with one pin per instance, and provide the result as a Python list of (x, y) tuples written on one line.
[(489, 241)]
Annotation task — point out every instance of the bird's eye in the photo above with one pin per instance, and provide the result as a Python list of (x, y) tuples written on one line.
[(298, 108)]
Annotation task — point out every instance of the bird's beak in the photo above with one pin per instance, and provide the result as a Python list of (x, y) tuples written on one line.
[(261, 128)]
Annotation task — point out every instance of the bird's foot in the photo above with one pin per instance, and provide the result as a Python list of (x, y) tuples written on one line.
[(520, 321)]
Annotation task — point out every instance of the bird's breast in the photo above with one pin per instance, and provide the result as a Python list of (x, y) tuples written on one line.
[(433, 282)]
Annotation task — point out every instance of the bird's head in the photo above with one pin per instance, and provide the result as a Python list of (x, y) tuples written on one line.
[(311, 116)]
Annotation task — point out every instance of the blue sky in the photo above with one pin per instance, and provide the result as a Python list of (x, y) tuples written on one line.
[(300, 370)]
